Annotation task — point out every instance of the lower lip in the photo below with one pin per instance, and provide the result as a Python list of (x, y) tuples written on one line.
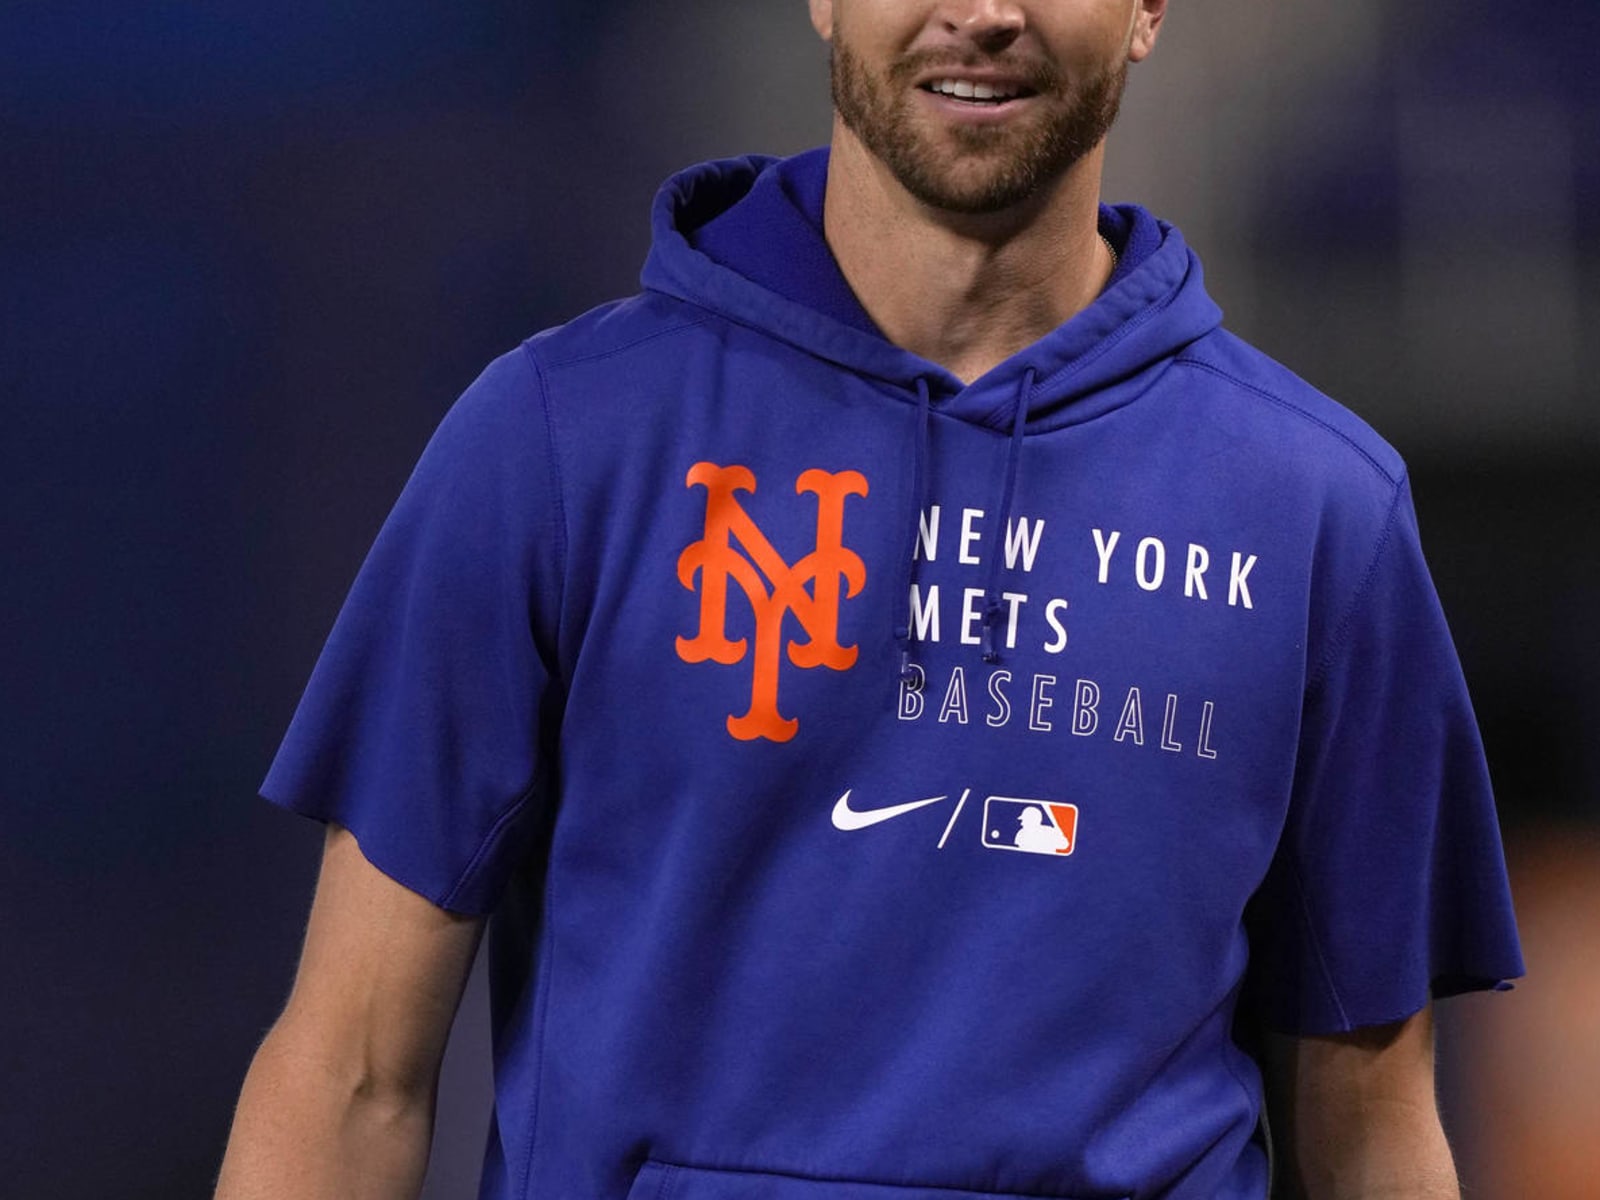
[(973, 114)]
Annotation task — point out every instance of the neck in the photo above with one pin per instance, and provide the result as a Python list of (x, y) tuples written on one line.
[(964, 291)]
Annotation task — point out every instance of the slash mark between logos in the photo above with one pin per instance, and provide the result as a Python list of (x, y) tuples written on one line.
[(960, 804)]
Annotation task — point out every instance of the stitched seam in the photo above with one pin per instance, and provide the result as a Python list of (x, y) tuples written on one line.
[(1336, 643), (558, 493), (597, 355), (489, 839), (467, 873), (1185, 361), (1341, 631), (805, 1178), (1316, 946)]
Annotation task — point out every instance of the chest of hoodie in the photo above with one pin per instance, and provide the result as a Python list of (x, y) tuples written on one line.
[(744, 530)]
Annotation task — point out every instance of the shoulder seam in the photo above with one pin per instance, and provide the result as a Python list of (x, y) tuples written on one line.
[(468, 873), (1186, 360), (1342, 630), (608, 352), (557, 490)]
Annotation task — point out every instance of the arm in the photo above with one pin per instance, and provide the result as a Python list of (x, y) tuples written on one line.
[(1353, 1115), (339, 1098)]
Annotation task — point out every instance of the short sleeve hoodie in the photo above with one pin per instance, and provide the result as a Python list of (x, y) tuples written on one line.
[(890, 788)]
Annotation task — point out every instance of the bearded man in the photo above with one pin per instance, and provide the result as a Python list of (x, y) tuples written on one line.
[(726, 635)]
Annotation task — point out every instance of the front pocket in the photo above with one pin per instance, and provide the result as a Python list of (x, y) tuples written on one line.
[(672, 1181)]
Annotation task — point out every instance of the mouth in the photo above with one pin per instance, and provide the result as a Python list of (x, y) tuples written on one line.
[(979, 93)]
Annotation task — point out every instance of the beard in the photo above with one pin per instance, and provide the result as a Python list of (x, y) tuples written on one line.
[(992, 168)]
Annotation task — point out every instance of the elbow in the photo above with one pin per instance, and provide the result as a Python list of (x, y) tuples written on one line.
[(352, 1070)]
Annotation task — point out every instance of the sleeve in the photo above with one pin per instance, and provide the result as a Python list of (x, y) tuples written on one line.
[(422, 725), (1389, 881)]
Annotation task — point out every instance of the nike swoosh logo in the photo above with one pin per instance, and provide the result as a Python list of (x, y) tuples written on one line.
[(847, 818)]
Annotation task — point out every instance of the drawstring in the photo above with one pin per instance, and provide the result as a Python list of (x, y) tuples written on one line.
[(992, 608), (919, 502)]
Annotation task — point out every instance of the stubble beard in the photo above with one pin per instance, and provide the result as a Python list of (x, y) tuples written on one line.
[(992, 168)]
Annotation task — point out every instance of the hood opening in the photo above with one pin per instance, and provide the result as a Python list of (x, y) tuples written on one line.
[(742, 238)]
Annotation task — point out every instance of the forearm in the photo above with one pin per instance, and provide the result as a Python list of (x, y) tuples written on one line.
[(312, 1128), (1354, 1116), (1402, 1155)]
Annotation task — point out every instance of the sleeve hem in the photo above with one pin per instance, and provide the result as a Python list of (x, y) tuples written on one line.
[(457, 898), (1348, 1020)]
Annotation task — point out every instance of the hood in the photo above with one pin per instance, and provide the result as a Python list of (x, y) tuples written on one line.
[(768, 267), (1151, 310)]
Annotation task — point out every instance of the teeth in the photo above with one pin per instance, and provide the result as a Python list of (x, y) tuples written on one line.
[(965, 89)]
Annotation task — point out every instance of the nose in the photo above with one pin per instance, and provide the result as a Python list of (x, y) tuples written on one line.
[(990, 25)]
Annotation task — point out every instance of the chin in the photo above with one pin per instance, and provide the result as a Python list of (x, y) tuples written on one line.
[(974, 189)]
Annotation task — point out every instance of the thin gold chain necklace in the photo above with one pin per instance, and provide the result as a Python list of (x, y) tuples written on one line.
[(1111, 250)]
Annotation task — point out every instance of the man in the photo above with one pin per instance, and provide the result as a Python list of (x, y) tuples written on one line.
[(724, 634)]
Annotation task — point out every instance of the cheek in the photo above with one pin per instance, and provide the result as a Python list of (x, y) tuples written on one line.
[(1095, 39), (1085, 63), (880, 29)]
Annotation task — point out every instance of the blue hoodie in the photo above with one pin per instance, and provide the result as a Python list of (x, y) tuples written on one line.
[(887, 788)]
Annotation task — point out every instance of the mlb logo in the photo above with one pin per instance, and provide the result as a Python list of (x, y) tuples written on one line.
[(1030, 826)]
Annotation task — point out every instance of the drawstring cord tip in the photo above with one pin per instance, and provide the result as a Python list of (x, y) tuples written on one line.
[(902, 634), (991, 621)]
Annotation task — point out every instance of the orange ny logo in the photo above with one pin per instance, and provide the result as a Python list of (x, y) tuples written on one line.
[(809, 589)]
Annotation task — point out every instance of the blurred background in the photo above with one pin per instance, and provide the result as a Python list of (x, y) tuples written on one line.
[(249, 253)]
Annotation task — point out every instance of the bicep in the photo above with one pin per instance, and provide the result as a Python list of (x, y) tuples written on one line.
[(1355, 1113), (380, 976)]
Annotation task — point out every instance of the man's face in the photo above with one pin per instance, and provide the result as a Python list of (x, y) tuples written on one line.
[(974, 105)]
